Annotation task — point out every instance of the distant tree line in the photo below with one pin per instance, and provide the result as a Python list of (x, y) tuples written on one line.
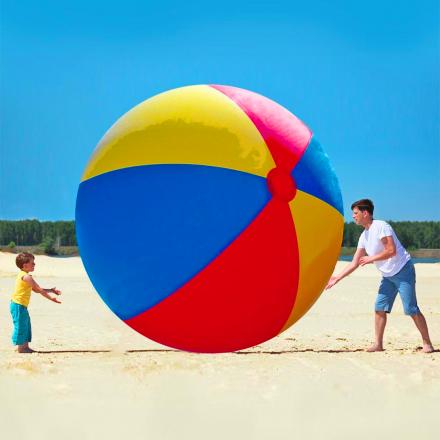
[(34, 232), (413, 235)]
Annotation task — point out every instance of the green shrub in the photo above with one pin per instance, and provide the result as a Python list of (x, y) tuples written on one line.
[(48, 246)]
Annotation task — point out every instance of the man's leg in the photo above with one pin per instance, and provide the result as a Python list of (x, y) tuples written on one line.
[(384, 303), (380, 321), (420, 322), (407, 290)]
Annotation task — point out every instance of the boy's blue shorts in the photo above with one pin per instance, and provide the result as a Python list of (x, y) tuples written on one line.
[(403, 282), (22, 324)]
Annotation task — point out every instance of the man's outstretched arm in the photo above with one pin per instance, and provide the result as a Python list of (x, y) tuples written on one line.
[(348, 270)]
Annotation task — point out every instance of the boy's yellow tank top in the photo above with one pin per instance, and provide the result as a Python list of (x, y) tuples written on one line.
[(22, 293)]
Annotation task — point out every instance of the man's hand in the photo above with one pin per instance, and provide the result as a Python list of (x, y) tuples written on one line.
[(55, 290), (331, 282), (366, 260), (55, 300)]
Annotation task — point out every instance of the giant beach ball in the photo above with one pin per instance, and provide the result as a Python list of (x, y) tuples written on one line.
[(209, 218)]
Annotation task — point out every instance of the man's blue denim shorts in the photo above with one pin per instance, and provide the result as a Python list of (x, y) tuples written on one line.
[(403, 282), (22, 324)]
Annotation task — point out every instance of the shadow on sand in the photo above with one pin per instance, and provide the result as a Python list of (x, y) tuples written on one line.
[(241, 353)]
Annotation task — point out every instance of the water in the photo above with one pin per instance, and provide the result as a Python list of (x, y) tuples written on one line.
[(414, 260)]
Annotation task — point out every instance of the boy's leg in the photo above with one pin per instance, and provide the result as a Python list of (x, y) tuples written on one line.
[(384, 303), (407, 291), (21, 335), (27, 324)]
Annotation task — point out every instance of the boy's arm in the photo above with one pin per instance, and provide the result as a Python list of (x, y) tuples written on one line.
[(45, 292), (358, 255)]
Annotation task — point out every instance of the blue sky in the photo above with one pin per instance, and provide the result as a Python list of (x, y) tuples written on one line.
[(363, 76)]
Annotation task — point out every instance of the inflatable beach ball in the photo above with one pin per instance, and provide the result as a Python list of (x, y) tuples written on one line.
[(209, 218)]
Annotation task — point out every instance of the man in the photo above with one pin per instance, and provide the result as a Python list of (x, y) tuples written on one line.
[(379, 244)]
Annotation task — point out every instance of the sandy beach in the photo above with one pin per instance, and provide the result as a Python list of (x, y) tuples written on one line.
[(95, 378)]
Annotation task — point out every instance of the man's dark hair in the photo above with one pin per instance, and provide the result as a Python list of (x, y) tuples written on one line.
[(363, 205)]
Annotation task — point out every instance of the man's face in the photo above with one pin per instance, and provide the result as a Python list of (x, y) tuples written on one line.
[(358, 216)]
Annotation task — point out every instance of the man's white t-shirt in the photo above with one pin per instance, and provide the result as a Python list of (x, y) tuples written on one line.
[(370, 240)]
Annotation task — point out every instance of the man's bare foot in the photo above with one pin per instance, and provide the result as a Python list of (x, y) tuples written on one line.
[(25, 350), (428, 348), (374, 347)]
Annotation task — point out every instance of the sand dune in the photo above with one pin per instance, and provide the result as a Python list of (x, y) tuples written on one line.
[(95, 378)]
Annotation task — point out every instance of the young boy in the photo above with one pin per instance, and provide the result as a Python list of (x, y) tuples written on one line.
[(24, 285), (379, 244)]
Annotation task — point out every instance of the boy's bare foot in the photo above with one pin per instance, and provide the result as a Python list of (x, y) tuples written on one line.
[(428, 348), (373, 348), (25, 350)]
